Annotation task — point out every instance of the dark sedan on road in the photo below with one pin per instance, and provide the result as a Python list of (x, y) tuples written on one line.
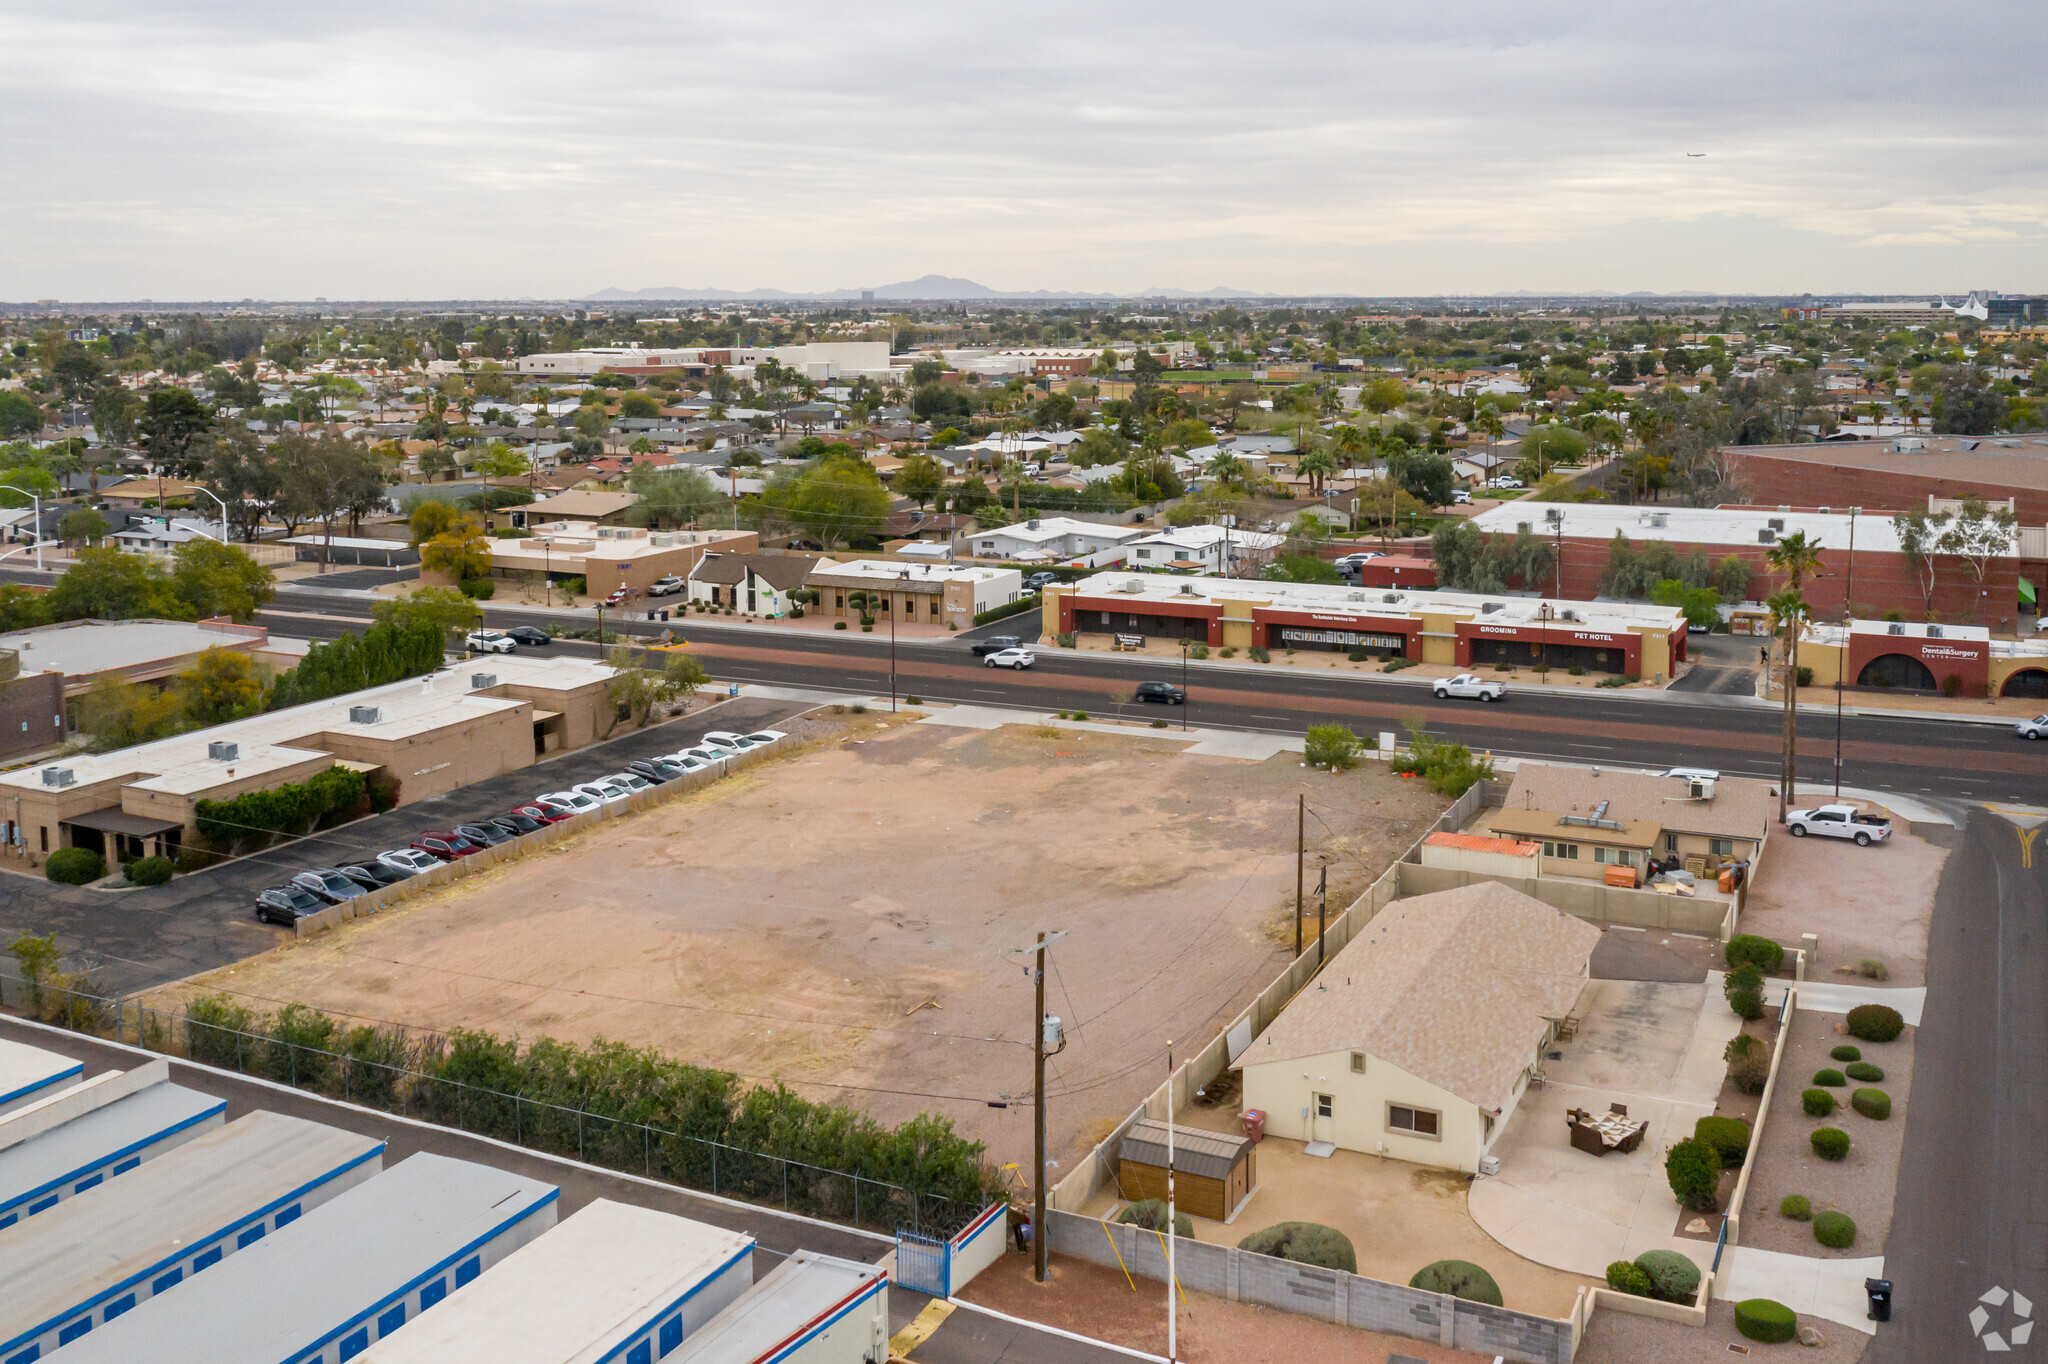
[(373, 875), (531, 636), (286, 904), (655, 771), (518, 822), (994, 644), (1165, 693)]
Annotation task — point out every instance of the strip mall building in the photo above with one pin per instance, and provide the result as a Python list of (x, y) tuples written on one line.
[(1457, 628)]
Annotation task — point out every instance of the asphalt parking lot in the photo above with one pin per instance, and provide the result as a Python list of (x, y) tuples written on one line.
[(137, 939)]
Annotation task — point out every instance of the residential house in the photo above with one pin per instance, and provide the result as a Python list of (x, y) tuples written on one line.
[(914, 593), (1418, 1039), (1207, 549), (1052, 538), (753, 584), (581, 506)]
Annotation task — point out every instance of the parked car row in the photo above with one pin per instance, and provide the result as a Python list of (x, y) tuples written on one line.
[(309, 892)]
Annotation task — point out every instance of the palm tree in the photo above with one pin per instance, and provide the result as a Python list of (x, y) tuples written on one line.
[(1794, 557), (1227, 468), (1318, 465)]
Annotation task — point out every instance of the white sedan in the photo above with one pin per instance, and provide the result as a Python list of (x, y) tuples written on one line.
[(761, 738), (411, 861), (491, 642), (575, 802), (2036, 728), (1011, 658), (604, 790)]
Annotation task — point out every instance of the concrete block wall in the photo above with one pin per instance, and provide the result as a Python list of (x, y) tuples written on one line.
[(1584, 899), (1326, 1294)]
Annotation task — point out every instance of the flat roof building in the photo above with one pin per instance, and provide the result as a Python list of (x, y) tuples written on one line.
[(610, 1280), (1052, 537), (1460, 628), (914, 593), (611, 557), (79, 1139), (1884, 578), (94, 1257), (143, 651), (430, 734), (810, 1309), (350, 1272), (28, 1074), (1900, 474)]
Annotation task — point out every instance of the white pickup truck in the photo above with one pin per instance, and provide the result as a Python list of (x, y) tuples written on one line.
[(1469, 685), (1839, 821)]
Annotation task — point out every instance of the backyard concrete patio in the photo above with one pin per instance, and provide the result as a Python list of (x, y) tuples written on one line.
[(1654, 1047)]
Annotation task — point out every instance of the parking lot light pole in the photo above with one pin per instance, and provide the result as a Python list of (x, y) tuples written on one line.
[(1184, 651)]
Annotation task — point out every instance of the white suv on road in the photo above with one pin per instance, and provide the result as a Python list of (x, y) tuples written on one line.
[(491, 642), (1467, 686)]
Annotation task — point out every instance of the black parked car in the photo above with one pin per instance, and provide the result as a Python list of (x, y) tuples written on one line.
[(532, 636), (1163, 692), (995, 644), (286, 905), (372, 875), (516, 824), (655, 771)]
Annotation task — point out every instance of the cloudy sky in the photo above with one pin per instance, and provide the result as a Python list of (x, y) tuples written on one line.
[(176, 150)]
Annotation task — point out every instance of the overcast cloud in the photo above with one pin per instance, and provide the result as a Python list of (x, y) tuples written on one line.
[(176, 150)]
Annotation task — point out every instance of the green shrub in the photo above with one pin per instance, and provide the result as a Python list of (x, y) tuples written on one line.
[(1150, 1214), (75, 866), (1613, 682), (1875, 1023), (1229, 651), (1818, 1103), (1749, 1063), (290, 810), (1797, 1207), (1450, 769), (1331, 746), (1729, 1136), (1763, 953), (1258, 654), (913, 700), (1845, 1052), (149, 871), (1358, 655), (1835, 1230), (1830, 1143), (1870, 968), (1161, 724), (1863, 1072), (1199, 651), (1694, 1171), (578, 586), (1080, 715), (478, 589), (1773, 1323), (383, 653), (1747, 1004), (839, 625), (1624, 1276), (1673, 1277), (1575, 671), (1832, 1079), (1308, 1243), (1872, 1103), (1747, 976), (1460, 1279)]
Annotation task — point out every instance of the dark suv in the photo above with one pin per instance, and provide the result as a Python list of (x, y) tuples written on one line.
[(1163, 692), (995, 644), (286, 904)]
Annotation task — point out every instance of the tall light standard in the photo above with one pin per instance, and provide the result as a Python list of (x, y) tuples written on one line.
[(895, 610), (1185, 646), (223, 510), (37, 499), (1842, 655)]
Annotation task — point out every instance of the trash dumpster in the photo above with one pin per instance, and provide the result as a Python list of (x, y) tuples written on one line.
[(1880, 1293), (1255, 1124)]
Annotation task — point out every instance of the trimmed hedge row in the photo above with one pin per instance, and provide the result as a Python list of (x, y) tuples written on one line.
[(1762, 1319), (292, 809), (1307, 1243)]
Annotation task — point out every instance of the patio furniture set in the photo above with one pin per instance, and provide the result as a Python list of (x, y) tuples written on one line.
[(1597, 1134)]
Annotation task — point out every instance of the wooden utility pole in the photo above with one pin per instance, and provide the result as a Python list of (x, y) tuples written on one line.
[(1300, 842), (1038, 1236), (1172, 1283), (1322, 909)]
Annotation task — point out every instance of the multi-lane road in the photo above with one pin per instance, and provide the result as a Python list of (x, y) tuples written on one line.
[(1932, 758)]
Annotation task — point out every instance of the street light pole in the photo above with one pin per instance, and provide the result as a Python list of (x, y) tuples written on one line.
[(1842, 654), (1184, 651)]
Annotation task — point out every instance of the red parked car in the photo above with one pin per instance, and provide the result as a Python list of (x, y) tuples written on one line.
[(445, 845), (544, 814)]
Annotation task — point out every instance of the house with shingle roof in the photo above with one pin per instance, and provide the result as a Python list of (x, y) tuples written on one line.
[(1418, 1039), (1590, 819)]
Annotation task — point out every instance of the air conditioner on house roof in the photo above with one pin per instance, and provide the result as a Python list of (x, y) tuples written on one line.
[(222, 751), (482, 681), (364, 715), (58, 776)]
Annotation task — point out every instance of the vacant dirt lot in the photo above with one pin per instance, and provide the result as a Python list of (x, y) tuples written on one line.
[(844, 920)]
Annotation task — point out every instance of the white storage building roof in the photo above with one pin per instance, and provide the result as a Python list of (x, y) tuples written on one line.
[(794, 1311), (328, 1272), (44, 1164), (602, 1279), (111, 1238), (30, 1073)]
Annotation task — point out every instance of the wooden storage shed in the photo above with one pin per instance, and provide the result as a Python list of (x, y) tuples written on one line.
[(1213, 1171)]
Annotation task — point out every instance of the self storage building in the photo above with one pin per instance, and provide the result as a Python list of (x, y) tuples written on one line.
[(614, 1282), (30, 1073), (92, 1258), (351, 1272), (810, 1309), (1458, 628), (77, 1140)]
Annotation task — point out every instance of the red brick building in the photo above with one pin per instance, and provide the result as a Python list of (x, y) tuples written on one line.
[(1901, 474)]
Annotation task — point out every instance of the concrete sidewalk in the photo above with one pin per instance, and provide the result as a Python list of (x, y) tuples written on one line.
[(1835, 997), (1811, 1286)]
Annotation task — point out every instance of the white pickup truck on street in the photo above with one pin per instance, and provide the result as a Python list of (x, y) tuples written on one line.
[(1470, 685), (1839, 821)]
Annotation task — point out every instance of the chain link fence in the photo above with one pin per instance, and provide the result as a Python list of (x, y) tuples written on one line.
[(595, 1138)]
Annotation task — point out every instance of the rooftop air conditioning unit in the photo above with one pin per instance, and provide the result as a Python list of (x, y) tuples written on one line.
[(1934, 632), (1777, 523), (1766, 536), (1031, 525), (1391, 597), (482, 681), (222, 751), (364, 715), (1524, 527), (1568, 615), (1659, 520), (1895, 629), (1700, 789), (1354, 596), (58, 776), (1187, 589), (1553, 514), (1487, 608)]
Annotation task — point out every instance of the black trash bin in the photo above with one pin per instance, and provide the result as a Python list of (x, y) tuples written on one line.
[(1880, 1293), (664, 614)]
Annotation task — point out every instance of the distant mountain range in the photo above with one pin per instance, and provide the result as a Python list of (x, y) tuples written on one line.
[(934, 288)]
